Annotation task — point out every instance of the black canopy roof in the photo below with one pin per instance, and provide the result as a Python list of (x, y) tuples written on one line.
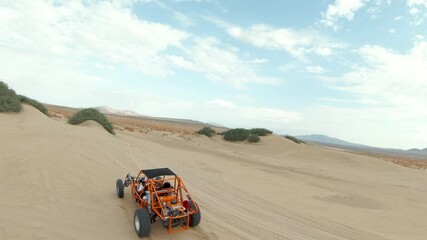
[(152, 173)]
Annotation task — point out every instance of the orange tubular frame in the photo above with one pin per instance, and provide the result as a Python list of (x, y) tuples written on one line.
[(155, 201)]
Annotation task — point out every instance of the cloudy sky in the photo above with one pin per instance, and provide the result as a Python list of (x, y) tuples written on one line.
[(352, 69)]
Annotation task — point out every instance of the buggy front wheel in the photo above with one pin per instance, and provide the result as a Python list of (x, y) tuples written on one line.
[(120, 188), (142, 222)]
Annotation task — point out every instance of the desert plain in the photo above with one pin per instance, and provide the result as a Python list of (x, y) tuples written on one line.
[(57, 181)]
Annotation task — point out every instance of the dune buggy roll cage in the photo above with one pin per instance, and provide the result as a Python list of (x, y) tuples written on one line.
[(154, 202)]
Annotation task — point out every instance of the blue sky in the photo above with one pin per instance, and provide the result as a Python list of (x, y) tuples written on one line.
[(352, 69)]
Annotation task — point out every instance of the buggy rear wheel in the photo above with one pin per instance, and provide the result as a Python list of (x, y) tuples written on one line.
[(142, 222), (120, 188), (195, 217)]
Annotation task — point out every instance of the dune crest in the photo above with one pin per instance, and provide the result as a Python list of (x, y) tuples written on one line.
[(92, 124)]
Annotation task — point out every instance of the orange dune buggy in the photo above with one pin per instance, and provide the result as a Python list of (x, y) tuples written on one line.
[(160, 194)]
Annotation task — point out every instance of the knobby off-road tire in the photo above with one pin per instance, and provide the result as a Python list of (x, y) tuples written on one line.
[(196, 217), (142, 222), (120, 188)]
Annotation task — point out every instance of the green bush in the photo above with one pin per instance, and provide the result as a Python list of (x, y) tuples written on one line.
[(9, 101), (91, 114), (42, 108), (253, 138), (221, 133), (9, 104), (294, 139), (238, 134), (207, 131), (260, 131)]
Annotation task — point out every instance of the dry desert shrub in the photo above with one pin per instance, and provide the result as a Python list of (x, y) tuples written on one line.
[(253, 138), (237, 134), (294, 139), (260, 131), (42, 108), (91, 114), (207, 131), (9, 100)]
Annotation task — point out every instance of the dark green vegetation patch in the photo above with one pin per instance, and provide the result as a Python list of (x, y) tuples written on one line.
[(207, 131), (9, 100), (238, 134), (91, 114), (260, 131), (42, 108), (241, 134), (253, 138), (294, 139)]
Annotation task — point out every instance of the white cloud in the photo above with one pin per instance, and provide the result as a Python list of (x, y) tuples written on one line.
[(295, 42), (241, 116), (374, 12), (325, 51), (390, 91), (222, 63), (342, 100), (98, 33), (260, 60), (418, 10), (315, 69), (183, 19), (412, 3), (398, 18), (419, 38), (103, 31), (392, 79), (376, 7), (392, 30), (181, 62), (341, 9), (222, 103)]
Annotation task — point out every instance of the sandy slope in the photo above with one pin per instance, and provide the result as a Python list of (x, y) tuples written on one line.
[(57, 182)]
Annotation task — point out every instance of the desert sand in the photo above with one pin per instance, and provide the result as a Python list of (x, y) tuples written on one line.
[(57, 181)]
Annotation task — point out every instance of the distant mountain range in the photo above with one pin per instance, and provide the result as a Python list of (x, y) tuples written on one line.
[(110, 110), (338, 143), (416, 150)]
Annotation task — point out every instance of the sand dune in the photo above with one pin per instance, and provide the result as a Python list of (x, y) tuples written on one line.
[(93, 124), (57, 181)]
